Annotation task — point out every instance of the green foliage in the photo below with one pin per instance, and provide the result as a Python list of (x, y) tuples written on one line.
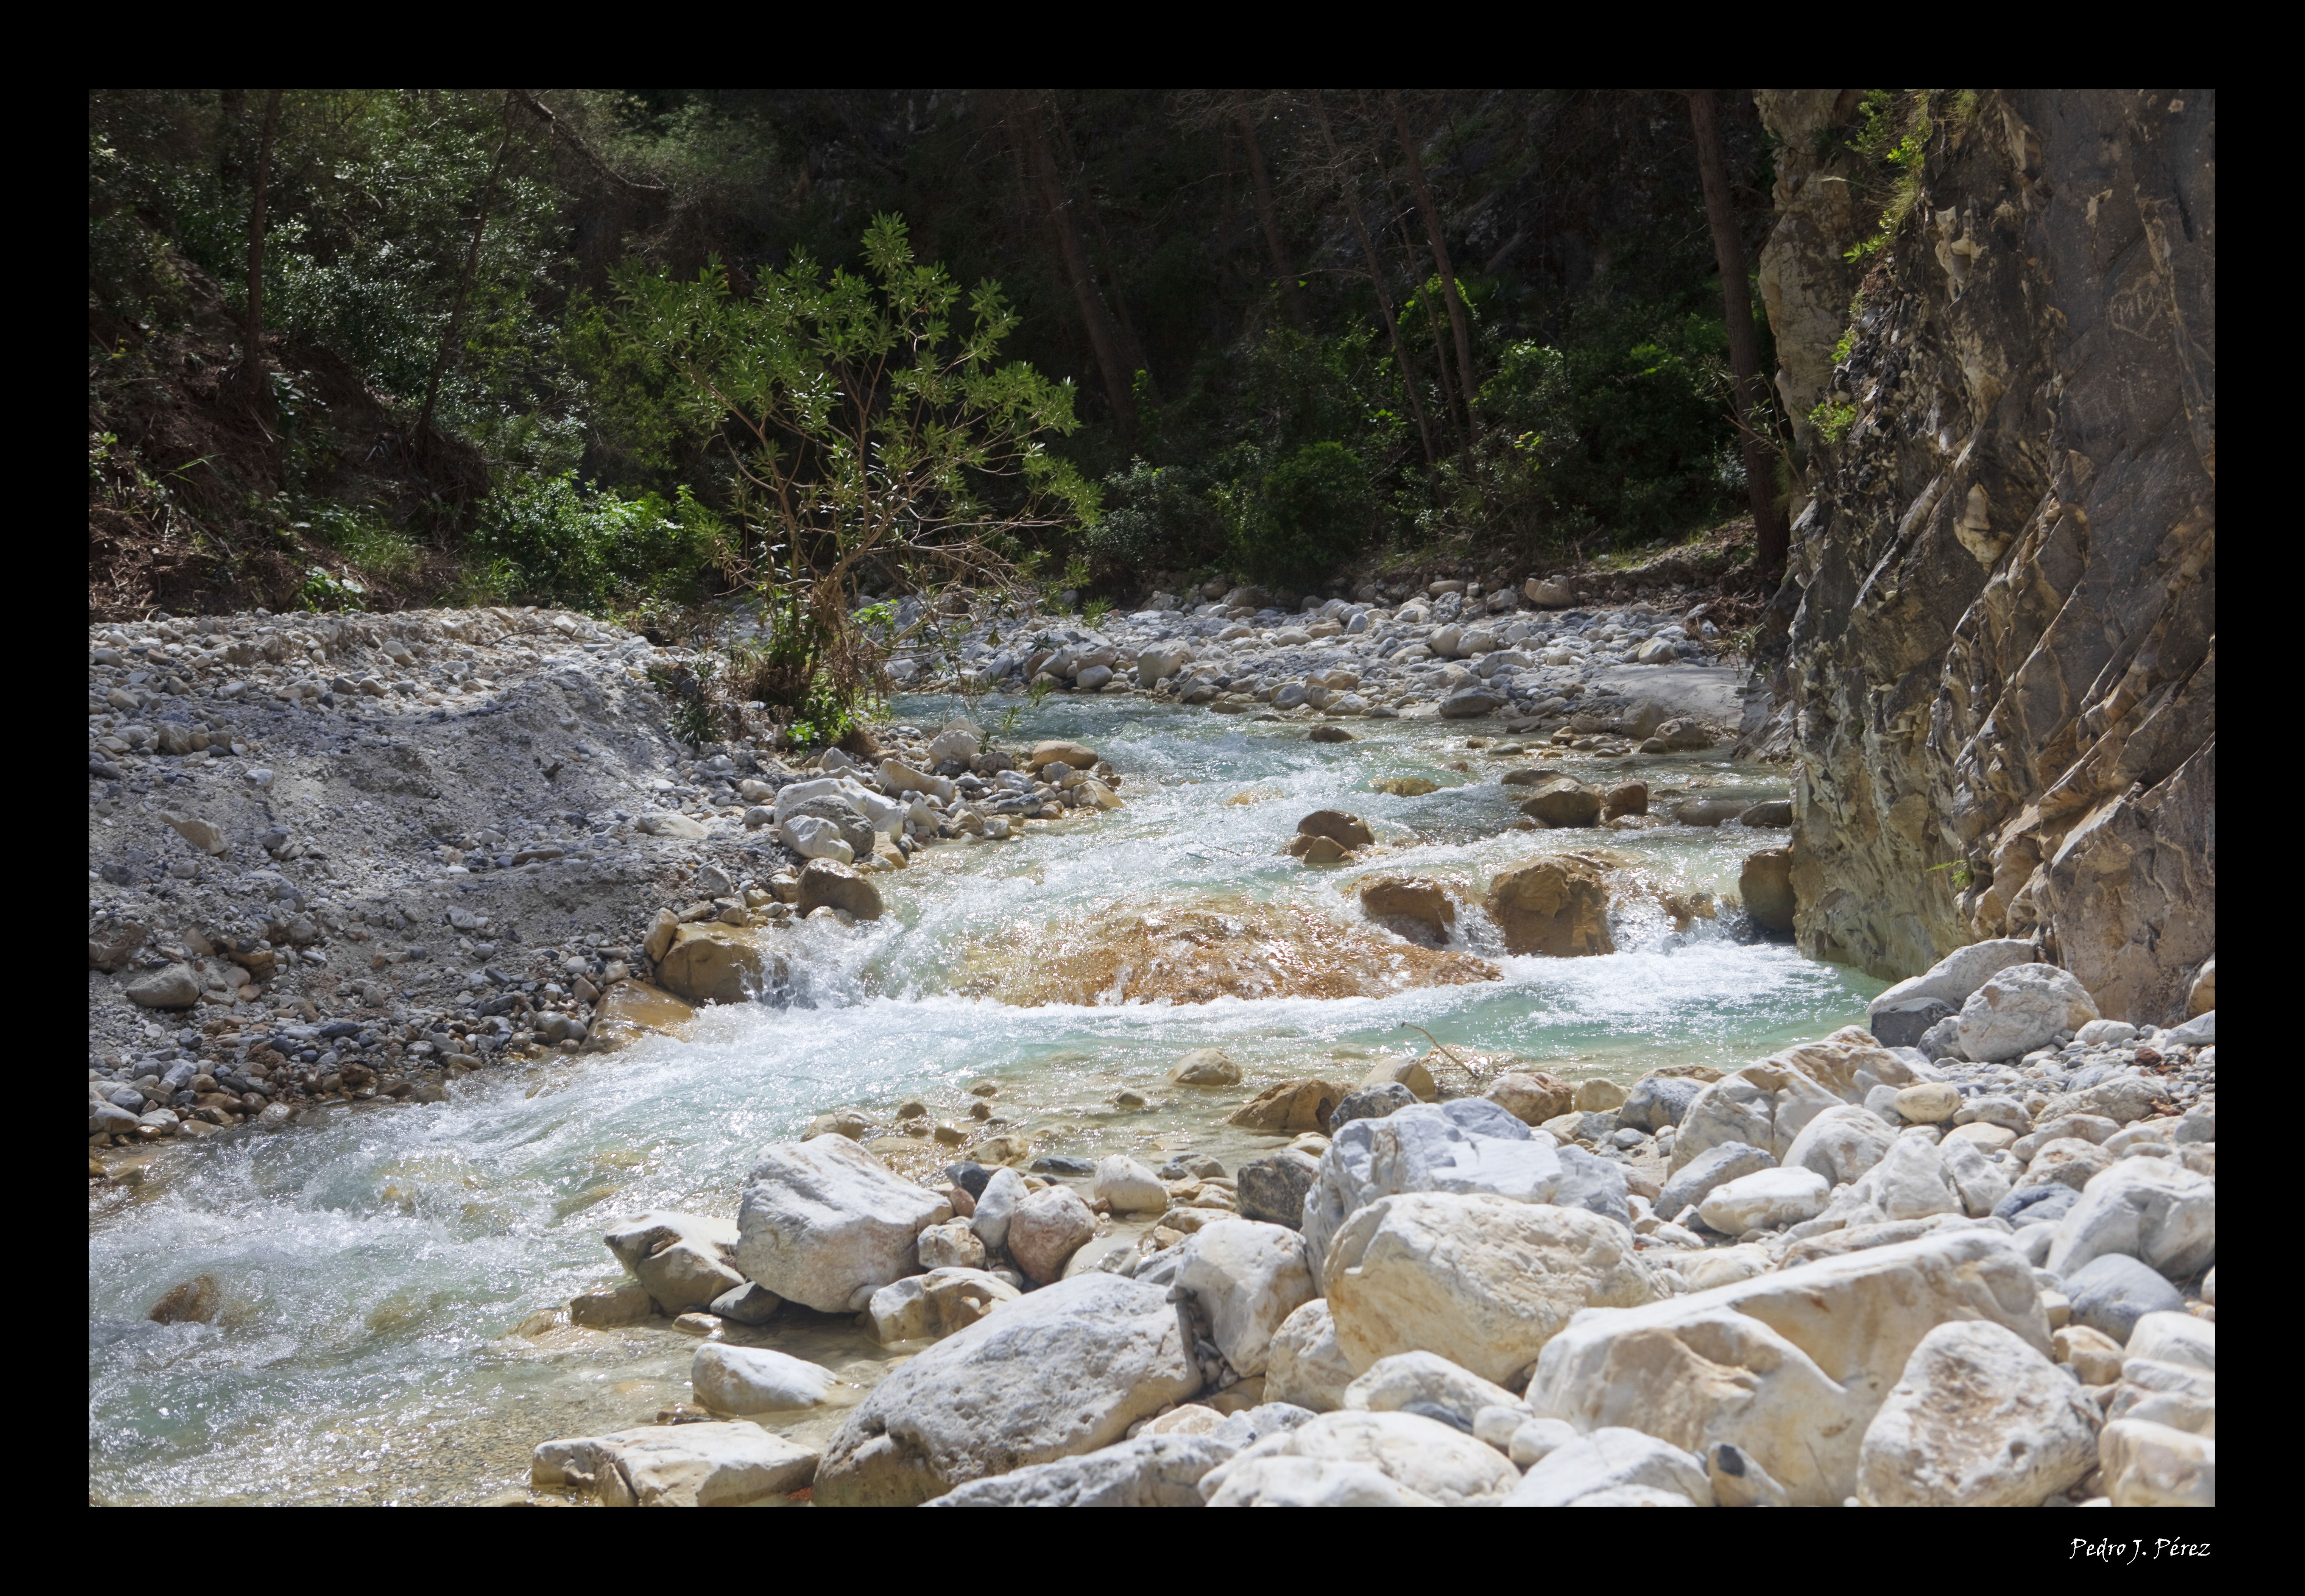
[(1623, 425), (1158, 519), (555, 543), (1833, 420), (368, 543), (1311, 513), (865, 416), (1892, 142), (324, 589), (1093, 612)]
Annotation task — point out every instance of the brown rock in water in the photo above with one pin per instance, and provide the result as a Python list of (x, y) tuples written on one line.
[(1564, 800), (711, 963), (1532, 1096), (1626, 798), (1289, 1107), (1766, 886), (1557, 907), (1708, 811), (1416, 906), (1329, 733), (1228, 949), (188, 1302), (1348, 831), (1685, 735), (1079, 756), (634, 1009), (829, 884), (1405, 786), (1315, 850)]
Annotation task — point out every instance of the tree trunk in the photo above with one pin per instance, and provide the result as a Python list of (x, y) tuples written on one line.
[(1376, 281), (1771, 535), (1441, 261), (1267, 214), (251, 348), (440, 356), (1024, 118)]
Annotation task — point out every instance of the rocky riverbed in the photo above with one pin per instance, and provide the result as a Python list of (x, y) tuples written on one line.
[(1078, 1048)]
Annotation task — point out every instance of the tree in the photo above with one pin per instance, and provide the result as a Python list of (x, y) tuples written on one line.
[(252, 350), (1346, 189), (1772, 537), (1432, 215), (1025, 126), (867, 429), (1267, 214)]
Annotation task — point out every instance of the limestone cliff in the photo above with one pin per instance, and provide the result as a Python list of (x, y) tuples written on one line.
[(1996, 651)]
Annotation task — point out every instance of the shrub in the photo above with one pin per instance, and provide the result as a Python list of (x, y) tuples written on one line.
[(1311, 514), (559, 544)]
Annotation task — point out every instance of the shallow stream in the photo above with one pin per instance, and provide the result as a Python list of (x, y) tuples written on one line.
[(377, 1268)]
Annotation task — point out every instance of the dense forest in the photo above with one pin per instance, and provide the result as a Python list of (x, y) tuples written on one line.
[(368, 348)]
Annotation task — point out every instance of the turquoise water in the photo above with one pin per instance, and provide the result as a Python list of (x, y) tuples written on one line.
[(375, 1267)]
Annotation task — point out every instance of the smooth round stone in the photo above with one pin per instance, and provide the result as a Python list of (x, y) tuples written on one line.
[(1930, 1102), (1988, 1138)]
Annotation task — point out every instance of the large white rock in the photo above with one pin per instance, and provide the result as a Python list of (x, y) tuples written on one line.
[(1129, 1186), (931, 1306), (2154, 1465), (1484, 1281), (1840, 1143), (1426, 1378), (825, 1224), (1421, 1455), (685, 1260), (1305, 1365), (2022, 1007), (1912, 1182), (1151, 1471), (1849, 1064), (1764, 1201), (1764, 1105), (1059, 1372), (1954, 977), (1976, 1178), (1980, 1418), (952, 1245), (885, 813), (813, 837), (955, 742), (1788, 1367), (2152, 1209), (677, 1465), (754, 1380), (995, 1205), (1612, 1459), (1246, 1277), (1470, 1145), (2175, 1338)]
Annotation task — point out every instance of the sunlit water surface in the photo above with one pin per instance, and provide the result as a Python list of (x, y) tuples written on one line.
[(375, 1267)]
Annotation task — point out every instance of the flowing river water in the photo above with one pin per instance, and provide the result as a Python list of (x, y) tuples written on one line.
[(376, 1270)]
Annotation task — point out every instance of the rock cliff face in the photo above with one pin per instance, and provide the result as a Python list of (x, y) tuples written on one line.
[(1997, 660)]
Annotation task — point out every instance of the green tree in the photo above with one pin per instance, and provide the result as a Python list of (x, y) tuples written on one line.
[(868, 426)]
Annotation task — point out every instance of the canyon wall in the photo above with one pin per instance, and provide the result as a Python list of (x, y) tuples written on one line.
[(1995, 657)]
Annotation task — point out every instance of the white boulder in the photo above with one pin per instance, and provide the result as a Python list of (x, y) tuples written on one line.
[(1767, 1200), (1470, 1145), (1059, 1372), (2155, 1211), (1246, 1279), (1422, 1457), (1788, 1367), (1483, 1280), (1612, 1459), (1305, 1365), (1428, 1379), (1980, 1418), (825, 1224), (729, 1465), (754, 1380), (2021, 1008), (931, 1306), (1129, 1186), (1840, 1143)]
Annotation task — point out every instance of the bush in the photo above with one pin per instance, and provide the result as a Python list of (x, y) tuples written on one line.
[(1310, 515), (1623, 425), (1160, 519), (547, 541)]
